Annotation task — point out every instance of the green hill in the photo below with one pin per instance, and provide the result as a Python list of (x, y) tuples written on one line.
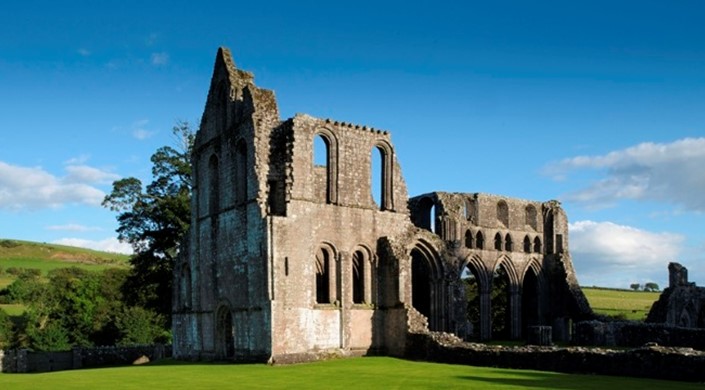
[(625, 304), (45, 257)]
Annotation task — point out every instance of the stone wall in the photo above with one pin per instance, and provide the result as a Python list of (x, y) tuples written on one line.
[(636, 334), (22, 360), (683, 364)]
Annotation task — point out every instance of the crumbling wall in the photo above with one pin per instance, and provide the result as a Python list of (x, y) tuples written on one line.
[(682, 364)]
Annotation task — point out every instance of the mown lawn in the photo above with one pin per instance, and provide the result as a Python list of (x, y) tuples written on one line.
[(634, 305), (359, 373)]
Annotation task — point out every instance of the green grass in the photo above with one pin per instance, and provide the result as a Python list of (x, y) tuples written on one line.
[(13, 309), (634, 305), (360, 373)]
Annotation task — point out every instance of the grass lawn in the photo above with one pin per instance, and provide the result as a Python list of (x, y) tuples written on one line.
[(635, 305), (360, 373)]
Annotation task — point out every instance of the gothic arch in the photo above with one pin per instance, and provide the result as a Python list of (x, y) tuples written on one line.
[(224, 332), (427, 287), (331, 142), (506, 261)]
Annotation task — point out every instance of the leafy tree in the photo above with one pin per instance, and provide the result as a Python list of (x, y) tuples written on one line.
[(635, 286), (6, 331), (154, 219), (651, 287), (138, 326)]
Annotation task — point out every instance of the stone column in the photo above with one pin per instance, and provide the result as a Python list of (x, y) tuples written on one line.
[(485, 314), (514, 312)]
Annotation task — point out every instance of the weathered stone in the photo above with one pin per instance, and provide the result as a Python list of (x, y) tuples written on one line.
[(291, 257)]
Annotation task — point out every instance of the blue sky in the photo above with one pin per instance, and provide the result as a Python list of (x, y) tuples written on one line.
[(598, 104)]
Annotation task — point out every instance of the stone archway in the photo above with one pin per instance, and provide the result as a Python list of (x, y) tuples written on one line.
[(427, 289), (224, 334)]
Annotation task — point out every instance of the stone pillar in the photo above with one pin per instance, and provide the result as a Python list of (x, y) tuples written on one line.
[(514, 313), (485, 315)]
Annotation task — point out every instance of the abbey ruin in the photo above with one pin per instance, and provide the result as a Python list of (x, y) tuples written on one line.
[(291, 255)]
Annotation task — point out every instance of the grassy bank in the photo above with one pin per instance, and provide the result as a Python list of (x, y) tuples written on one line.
[(627, 304)]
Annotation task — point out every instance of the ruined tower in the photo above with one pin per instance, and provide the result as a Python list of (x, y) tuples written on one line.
[(302, 241)]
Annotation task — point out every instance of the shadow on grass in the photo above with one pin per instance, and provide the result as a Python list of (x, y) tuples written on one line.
[(528, 380)]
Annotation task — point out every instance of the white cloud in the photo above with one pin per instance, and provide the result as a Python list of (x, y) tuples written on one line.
[(83, 52), (86, 174), (671, 172), (159, 59), (79, 160), (110, 244), (139, 131), (73, 227), (609, 255), (34, 188)]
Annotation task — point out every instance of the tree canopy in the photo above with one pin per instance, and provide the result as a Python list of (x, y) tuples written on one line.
[(153, 219)]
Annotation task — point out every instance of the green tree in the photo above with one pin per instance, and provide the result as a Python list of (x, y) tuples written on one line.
[(635, 286), (138, 326), (6, 330), (154, 219), (651, 286)]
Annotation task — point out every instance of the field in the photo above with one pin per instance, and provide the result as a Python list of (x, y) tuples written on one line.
[(633, 305), (46, 257), (377, 372)]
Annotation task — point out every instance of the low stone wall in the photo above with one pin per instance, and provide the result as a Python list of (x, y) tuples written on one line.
[(635, 334), (22, 360), (684, 364)]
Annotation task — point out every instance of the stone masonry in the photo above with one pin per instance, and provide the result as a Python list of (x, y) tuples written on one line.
[(294, 254)]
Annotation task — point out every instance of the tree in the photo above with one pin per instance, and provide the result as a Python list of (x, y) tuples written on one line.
[(651, 286), (154, 220), (635, 286)]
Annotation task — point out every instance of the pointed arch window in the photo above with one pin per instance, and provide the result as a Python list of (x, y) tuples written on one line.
[(527, 244), (508, 245), (469, 239), (498, 242), (479, 240), (213, 186), (537, 245), (358, 272)]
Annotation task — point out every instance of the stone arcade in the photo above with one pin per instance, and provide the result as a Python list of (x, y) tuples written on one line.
[(290, 257)]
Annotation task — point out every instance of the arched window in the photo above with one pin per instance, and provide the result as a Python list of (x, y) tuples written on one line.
[(498, 242), (323, 276), (241, 172), (531, 216), (527, 244), (537, 245), (325, 165), (503, 213), (213, 186), (381, 169), (425, 214), (480, 240), (377, 178), (358, 272), (508, 243), (469, 239)]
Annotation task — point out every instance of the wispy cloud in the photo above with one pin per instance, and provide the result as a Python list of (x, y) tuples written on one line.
[(668, 172), (34, 188), (612, 255), (73, 227), (83, 52), (110, 244), (160, 59), (140, 131)]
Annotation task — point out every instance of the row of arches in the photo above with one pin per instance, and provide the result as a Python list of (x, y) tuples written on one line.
[(477, 302), (328, 288), (501, 243), (325, 155)]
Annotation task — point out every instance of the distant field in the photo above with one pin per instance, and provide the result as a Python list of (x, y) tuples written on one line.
[(362, 373), (46, 257), (634, 305)]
